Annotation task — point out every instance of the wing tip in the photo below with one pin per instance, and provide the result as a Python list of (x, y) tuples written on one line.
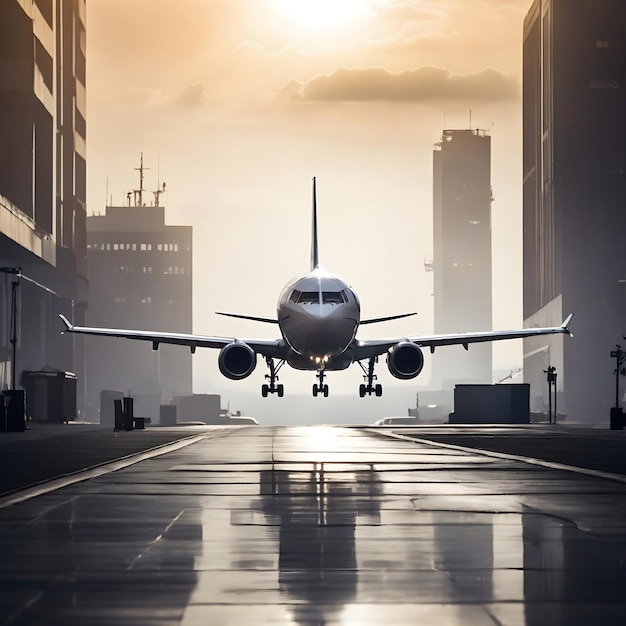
[(66, 322), (566, 323)]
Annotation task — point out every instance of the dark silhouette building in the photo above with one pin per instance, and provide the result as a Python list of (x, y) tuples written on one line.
[(42, 183), (140, 276), (574, 108), (462, 252)]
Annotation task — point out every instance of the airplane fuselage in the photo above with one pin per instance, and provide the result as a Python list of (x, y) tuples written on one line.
[(319, 316)]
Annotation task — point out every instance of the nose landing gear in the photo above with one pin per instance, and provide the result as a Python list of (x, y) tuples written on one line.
[(272, 377), (320, 388), (370, 388)]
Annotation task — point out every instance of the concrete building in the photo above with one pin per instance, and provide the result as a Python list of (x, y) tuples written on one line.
[(140, 273), (42, 182), (462, 253), (574, 161)]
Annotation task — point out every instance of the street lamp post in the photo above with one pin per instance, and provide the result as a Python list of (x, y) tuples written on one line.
[(16, 272), (619, 355)]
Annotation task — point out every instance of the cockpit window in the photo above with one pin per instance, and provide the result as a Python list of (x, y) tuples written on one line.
[(309, 297), (304, 297), (333, 297), (313, 297)]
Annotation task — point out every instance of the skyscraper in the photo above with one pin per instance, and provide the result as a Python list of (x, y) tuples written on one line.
[(462, 252), (140, 276), (574, 161), (43, 180)]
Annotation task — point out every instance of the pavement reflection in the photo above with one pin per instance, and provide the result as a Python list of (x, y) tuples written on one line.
[(307, 527), (317, 513)]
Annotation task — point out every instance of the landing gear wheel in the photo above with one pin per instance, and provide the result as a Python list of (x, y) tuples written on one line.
[(320, 388), (369, 388), (272, 378)]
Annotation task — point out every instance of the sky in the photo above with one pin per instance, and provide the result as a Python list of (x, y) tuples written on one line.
[(237, 104)]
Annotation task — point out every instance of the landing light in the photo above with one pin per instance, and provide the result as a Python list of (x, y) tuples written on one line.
[(320, 359)]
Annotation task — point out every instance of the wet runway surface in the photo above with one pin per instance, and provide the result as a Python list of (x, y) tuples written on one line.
[(318, 525)]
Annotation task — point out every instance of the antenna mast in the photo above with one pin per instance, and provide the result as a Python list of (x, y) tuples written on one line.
[(138, 193), (160, 189)]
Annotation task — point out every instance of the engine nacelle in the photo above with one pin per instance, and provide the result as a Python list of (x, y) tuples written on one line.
[(405, 360), (237, 360)]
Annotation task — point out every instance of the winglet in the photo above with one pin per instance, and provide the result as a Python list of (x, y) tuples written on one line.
[(314, 252), (66, 322), (565, 324)]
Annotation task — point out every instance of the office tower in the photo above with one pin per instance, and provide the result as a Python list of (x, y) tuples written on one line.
[(140, 276), (42, 182), (574, 167), (462, 252)]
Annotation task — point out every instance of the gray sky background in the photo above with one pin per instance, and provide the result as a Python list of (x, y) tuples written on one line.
[(237, 104)]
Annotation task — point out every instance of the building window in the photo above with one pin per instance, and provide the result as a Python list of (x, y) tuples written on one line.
[(603, 43), (119, 300), (146, 300), (604, 84), (147, 269)]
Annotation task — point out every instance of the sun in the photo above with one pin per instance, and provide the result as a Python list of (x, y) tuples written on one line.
[(323, 14)]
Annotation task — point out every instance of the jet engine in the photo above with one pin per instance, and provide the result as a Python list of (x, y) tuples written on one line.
[(237, 360), (405, 360)]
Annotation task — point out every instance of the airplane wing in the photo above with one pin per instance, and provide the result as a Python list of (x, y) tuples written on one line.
[(275, 348), (363, 349)]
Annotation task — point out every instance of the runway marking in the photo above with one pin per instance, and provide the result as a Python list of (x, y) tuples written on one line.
[(95, 472), (508, 457), (154, 541)]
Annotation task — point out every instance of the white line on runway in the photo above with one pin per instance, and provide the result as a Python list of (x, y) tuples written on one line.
[(95, 472), (508, 457)]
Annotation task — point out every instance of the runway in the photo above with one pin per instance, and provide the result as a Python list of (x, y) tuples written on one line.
[(319, 525)]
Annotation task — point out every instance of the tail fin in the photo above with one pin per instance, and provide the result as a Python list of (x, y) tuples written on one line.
[(314, 253)]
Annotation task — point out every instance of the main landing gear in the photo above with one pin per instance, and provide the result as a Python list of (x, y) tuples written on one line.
[(370, 388), (320, 388), (272, 377)]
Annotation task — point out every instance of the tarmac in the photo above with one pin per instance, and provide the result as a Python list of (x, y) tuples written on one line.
[(472, 525)]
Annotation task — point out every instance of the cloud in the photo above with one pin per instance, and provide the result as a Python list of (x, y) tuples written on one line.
[(425, 84), (192, 96)]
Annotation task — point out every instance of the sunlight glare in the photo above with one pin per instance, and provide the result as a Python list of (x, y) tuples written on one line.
[(319, 14)]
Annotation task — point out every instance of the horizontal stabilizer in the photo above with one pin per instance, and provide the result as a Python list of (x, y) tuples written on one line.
[(375, 320), (265, 320)]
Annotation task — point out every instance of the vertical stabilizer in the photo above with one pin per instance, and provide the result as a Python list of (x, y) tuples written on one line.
[(314, 253)]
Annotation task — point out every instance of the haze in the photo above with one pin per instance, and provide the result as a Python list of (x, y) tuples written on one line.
[(237, 104)]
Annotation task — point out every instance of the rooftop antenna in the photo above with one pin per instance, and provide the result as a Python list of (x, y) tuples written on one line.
[(160, 188), (157, 193), (470, 119), (139, 192)]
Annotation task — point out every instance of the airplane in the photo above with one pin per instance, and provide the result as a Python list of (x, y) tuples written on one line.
[(318, 316)]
